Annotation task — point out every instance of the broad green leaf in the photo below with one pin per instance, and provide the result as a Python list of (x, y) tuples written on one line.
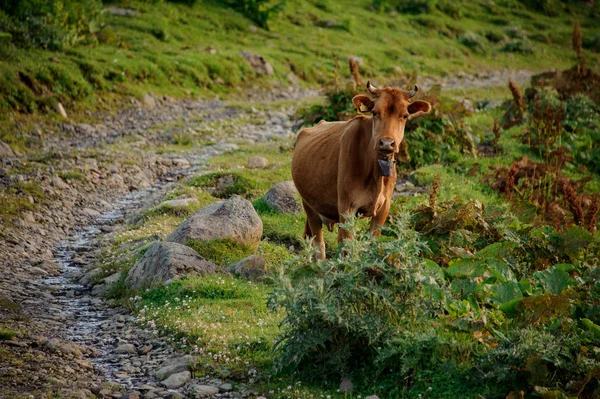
[(565, 267), (590, 325), (525, 286), (511, 307), (502, 272), (554, 280), (503, 293), (497, 250), (463, 287), (433, 270), (465, 268)]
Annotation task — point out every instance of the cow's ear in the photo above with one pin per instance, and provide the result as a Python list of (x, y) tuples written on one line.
[(363, 103), (419, 107)]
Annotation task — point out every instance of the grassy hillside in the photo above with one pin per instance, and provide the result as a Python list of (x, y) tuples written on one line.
[(190, 50)]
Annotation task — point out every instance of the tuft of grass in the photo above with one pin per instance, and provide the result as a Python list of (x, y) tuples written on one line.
[(72, 175), (222, 252), (241, 184), (6, 334)]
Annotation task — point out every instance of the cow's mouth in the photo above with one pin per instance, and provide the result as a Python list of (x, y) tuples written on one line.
[(386, 163)]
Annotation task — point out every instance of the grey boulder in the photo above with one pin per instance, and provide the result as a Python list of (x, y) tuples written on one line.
[(233, 219), (284, 198), (164, 262), (260, 65), (251, 268), (177, 380), (174, 366)]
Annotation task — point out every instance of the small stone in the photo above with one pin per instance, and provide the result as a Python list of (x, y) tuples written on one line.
[(126, 348), (58, 182), (144, 350), (89, 276), (372, 397), (61, 110), (91, 212), (251, 268), (148, 101), (5, 150), (260, 65), (113, 278), (177, 380), (257, 162), (181, 163), (199, 391), (179, 203), (227, 387), (346, 385)]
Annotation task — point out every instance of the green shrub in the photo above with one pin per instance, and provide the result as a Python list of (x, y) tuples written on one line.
[(523, 46), (582, 131), (258, 11), (405, 6), (338, 106), (341, 312), (6, 335), (473, 41), (50, 24)]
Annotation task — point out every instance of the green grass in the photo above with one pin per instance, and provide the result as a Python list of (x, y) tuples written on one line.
[(162, 50), (222, 319), (7, 334)]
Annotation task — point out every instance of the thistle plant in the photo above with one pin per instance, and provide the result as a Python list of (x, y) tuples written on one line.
[(340, 312)]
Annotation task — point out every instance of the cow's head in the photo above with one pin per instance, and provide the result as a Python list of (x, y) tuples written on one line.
[(391, 109)]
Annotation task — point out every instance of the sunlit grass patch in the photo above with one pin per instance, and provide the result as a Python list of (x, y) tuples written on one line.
[(223, 319), (157, 227), (222, 252)]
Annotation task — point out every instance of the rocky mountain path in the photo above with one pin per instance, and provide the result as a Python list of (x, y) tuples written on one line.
[(89, 178)]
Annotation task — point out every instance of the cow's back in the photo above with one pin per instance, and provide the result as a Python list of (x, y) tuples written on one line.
[(315, 166)]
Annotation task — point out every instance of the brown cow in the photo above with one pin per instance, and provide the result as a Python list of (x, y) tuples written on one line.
[(347, 167)]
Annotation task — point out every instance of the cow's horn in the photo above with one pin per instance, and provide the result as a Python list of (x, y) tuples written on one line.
[(413, 91), (372, 89)]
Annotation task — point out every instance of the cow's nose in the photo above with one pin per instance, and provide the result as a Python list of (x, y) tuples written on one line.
[(385, 144)]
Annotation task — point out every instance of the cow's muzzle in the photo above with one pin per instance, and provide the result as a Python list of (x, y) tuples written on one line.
[(386, 166), (387, 145)]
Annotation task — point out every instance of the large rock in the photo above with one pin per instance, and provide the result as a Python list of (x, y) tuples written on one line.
[(251, 268), (164, 262), (173, 366), (284, 198), (233, 219), (177, 380), (260, 65)]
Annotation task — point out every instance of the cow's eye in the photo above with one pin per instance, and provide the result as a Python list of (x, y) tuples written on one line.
[(405, 116), (374, 113)]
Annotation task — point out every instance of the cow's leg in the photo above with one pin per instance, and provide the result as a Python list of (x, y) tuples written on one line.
[(378, 220), (314, 229)]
